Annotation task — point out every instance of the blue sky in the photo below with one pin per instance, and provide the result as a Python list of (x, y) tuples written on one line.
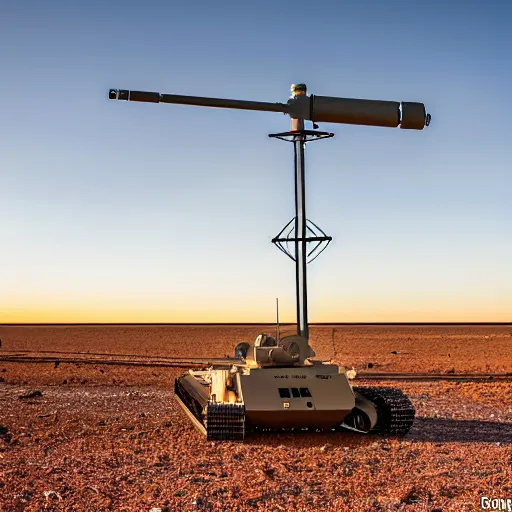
[(114, 211)]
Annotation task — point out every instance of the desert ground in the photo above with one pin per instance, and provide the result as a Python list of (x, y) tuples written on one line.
[(83, 430)]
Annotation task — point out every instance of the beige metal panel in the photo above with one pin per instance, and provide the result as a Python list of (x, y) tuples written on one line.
[(219, 384), (330, 390)]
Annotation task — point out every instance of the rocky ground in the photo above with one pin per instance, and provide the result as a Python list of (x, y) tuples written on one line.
[(100, 438)]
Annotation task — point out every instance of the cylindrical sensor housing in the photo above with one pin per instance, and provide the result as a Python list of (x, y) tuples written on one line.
[(413, 116), (355, 111)]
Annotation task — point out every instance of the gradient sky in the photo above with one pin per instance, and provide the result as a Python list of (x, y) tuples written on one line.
[(126, 212)]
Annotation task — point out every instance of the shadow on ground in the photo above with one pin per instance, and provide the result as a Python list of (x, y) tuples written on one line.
[(425, 430), (442, 430)]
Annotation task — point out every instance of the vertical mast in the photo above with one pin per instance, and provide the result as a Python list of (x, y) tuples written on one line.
[(297, 125), (304, 231)]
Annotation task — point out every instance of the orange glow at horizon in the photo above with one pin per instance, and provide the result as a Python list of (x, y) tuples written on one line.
[(370, 312)]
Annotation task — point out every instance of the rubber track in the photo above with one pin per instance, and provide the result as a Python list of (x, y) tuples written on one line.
[(395, 412), (193, 405), (225, 422)]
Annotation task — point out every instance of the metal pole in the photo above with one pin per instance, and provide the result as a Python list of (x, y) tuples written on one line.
[(300, 245), (297, 124), (277, 319)]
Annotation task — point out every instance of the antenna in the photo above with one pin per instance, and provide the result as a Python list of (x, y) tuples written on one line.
[(301, 107), (277, 319)]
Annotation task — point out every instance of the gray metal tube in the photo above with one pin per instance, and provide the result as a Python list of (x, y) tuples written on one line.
[(155, 97), (300, 246)]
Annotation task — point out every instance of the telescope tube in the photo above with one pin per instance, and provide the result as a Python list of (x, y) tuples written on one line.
[(156, 97), (329, 109)]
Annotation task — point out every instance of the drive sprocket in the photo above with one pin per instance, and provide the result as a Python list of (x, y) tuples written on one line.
[(395, 411)]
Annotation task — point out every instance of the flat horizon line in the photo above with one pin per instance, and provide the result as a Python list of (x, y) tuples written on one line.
[(246, 323)]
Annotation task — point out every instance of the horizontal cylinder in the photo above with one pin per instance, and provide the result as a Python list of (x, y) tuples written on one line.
[(407, 115), (144, 96), (223, 103), (413, 116), (355, 111), (155, 97)]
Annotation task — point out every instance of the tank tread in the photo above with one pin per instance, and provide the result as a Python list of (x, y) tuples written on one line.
[(395, 412), (192, 404), (225, 422)]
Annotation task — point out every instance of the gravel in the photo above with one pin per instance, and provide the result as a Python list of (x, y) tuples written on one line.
[(93, 444)]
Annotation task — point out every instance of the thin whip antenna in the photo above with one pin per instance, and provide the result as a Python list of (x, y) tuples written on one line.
[(277, 319)]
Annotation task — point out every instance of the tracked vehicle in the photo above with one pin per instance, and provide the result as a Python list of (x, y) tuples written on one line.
[(274, 383)]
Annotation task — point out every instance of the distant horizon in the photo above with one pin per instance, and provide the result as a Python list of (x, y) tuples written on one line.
[(250, 323)]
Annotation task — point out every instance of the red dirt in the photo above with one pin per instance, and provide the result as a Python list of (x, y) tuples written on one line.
[(113, 438)]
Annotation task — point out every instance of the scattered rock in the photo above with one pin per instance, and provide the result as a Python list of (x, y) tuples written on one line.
[(46, 415), (167, 423), (155, 509), (270, 473), (253, 502), (27, 495), (52, 495), (394, 352), (31, 394), (447, 492), (5, 435), (411, 497), (324, 448)]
